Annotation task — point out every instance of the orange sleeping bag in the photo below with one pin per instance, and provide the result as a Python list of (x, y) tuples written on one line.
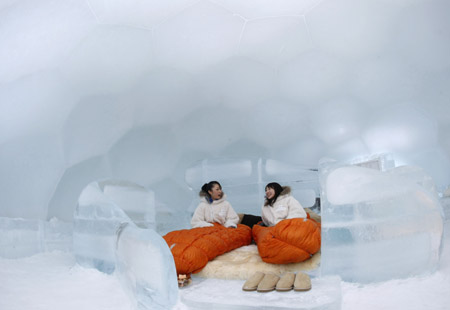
[(289, 241), (193, 248)]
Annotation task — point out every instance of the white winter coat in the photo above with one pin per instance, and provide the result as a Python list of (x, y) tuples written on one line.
[(218, 211), (285, 207)]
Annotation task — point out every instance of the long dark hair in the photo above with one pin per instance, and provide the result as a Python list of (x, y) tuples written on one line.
[(277, 188), (207, 187)]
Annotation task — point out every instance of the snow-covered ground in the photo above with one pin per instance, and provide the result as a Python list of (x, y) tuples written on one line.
[(53, 281)]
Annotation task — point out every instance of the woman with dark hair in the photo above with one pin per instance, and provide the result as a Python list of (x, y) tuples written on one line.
[(211, 222), (214, 208), (280, 205)]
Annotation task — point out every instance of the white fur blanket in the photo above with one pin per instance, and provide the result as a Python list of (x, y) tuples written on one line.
[(242, 262)]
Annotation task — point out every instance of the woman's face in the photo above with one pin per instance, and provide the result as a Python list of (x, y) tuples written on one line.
[(270, 192), (216, 192)]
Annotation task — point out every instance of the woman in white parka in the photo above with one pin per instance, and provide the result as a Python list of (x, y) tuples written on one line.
[(280, 205), (214, 208)]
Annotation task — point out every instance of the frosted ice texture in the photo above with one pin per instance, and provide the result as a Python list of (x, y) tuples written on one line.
[(157, 86), (146, 268), (144, 155), (102, 84), (445, 201), (44, 89), (114, 231), (413, 129), (43, 41), (180, 33), (258, 9), (378, 225), (244, 180), (337, 120), (276, 40), (41, 157), (268, 123), (26, 237), (86, 136), (305, 77), (109, 59), (244, 81), (102, 207), (141, 14), (137, 202), (355, 29)]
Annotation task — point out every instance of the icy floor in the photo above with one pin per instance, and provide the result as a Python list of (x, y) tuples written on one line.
[(205, 294), (53, 281)]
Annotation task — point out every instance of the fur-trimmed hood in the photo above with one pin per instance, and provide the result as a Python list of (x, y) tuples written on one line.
[(285, 192)]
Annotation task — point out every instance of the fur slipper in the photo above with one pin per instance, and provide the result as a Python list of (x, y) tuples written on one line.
[(286, 282), (268, 283), (252, 283), (302, 282), (184, 280)]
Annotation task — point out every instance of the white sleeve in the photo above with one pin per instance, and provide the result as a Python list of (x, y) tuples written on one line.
[(295, 209), (232, 218), (199, 219)]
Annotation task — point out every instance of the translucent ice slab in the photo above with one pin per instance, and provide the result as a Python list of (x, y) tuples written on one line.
[(137, 202), (228, 295), (378, 225), (102, 207), (26, 237), (445, 201), (107, 238), (146, 268)]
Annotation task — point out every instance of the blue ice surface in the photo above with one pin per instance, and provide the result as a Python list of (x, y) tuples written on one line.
[(379, 225), (107, 239)]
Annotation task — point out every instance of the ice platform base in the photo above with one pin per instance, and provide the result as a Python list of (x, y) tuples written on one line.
[(221, 294)]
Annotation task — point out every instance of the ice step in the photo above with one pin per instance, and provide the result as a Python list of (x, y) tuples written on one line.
[(228, 295)]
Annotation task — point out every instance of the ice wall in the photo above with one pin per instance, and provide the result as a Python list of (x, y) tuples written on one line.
[(378, 225), (141, 90), (26, 237), (103, 207), (114, 232), (244, 181)]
